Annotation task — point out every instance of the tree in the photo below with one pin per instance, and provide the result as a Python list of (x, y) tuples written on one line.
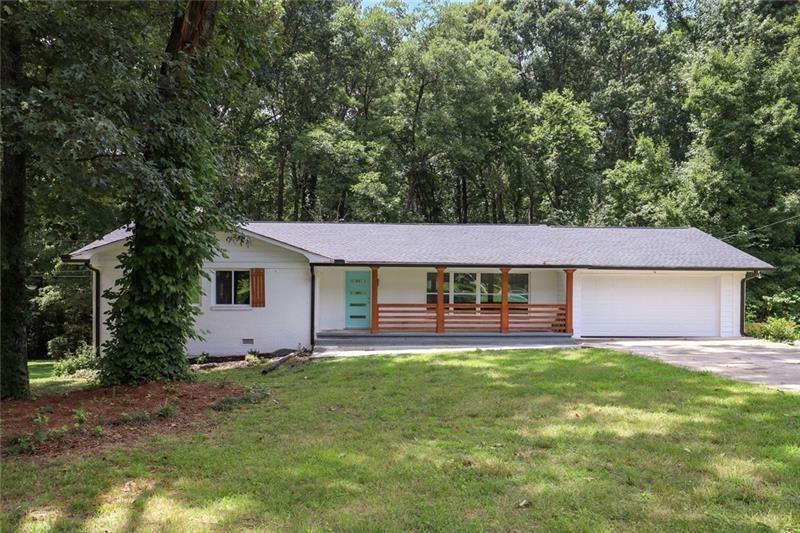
[(636, 189), (14, 372), (174, 217), (563, 141)]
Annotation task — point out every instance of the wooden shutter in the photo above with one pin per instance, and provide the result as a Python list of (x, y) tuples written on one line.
[(257, 292)]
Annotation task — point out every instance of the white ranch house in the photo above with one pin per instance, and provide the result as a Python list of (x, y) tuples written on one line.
[(292, 282)]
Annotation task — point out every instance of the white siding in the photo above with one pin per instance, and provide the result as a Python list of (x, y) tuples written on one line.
[(635, 303), (283, 323)]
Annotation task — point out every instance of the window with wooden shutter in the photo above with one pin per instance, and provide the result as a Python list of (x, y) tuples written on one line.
[(257, 292)]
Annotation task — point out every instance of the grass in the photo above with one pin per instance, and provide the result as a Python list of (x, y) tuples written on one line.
[(43, 381), (592, 439)]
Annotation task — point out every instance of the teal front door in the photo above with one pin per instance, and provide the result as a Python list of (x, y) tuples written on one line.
[(356, 299)]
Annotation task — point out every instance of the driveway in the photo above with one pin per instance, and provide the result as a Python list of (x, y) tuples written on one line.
[(767, 363)]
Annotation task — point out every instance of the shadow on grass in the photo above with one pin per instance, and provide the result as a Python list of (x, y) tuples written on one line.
[(589, 438)]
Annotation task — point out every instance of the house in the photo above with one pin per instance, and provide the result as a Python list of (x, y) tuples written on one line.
[(289, 283)]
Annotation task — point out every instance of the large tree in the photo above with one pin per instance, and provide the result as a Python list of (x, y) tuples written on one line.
[(14, 368), (171, 206)]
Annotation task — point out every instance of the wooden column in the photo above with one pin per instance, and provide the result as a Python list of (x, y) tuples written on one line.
[(440, 299), (504, 300), (570, 272), (373, 318)]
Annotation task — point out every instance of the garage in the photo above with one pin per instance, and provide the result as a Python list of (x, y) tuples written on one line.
[(653, 305)]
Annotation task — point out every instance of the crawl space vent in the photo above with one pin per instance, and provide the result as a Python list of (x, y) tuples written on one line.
[(248, 341)]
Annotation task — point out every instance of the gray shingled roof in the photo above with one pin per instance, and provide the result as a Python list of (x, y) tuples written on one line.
[(496, 245)]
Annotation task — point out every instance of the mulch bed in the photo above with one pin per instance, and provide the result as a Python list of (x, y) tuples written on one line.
[(124, 413)]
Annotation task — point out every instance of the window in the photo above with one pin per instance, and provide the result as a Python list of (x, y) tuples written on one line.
[(491, 290), (518, 290), (233, 287), (464, 288), (467, 287)]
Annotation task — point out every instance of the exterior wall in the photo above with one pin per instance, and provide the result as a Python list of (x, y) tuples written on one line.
[(407, 285), (284, 322), (657, 303)]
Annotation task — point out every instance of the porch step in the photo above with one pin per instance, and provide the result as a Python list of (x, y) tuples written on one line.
[(413, 340)]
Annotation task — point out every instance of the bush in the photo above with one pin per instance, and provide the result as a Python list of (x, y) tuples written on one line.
[(774, 329), (780, 329), (252, 358), (58, 347), (84, 358)]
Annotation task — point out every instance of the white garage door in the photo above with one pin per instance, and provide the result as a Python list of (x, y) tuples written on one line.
[(649, 305)]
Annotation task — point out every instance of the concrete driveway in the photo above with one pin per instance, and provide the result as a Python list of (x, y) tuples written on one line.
[(767, 363)]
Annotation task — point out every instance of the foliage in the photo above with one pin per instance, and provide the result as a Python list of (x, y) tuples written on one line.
[(784, 304), (172, 205), (775, 329), (252, 358), (83, 358)]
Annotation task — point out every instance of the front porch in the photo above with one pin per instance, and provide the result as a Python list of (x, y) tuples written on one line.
[(442, 301)]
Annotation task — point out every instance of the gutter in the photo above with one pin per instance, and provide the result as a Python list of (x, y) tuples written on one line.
[(96, 277), (343, 263)]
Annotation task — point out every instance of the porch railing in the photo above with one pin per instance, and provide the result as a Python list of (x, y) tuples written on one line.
[(464, 318)]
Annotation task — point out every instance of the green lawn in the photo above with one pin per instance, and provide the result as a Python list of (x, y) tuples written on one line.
[(592, 439), (44, 382)]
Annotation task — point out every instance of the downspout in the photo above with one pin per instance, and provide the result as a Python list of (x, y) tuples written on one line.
[(313, 301), (96, 291), (743, 301), (97, 295)]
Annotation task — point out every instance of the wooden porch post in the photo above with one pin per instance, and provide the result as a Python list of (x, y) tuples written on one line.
[(440, 299), (373, 322), (569, 272), (504, 300)]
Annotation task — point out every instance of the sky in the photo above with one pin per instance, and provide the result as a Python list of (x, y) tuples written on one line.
[(366, 4)]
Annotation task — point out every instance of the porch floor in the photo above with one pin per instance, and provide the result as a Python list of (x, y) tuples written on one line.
[(362, 342)]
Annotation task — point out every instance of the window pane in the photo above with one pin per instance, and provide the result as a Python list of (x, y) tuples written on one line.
[(431, 282), (490, 283), (494, 298), (464, 283), (518, 283), (464, 298), (518, 291), (224, 287), (242, 278), (433, 298)]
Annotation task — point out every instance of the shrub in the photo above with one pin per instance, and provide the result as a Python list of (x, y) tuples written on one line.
[(81, 416), (84, 358), (252, 358), (167, 410), (59, 347), (774, 329), (780, 329), (39, 427), (754, 329)]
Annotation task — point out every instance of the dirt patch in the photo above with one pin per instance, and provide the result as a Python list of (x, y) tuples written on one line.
[(85, 419)]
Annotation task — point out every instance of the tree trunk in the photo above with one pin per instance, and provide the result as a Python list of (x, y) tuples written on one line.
[(297, 193), (464, 200), (14, 300), (279, 200)]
